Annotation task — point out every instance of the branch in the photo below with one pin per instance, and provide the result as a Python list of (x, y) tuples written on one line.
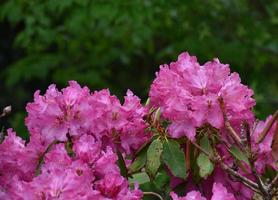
[(247, 182), (248, 136), (201, 149), (227, 123), (255, 126), (252, 185), (274, 182), (268, 127), (251, 160), (259, 181)]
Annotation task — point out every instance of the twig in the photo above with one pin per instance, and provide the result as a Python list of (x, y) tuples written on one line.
[(248, 136), (252, 185), (259, 181), (201, 149), (268, 127), (273, 182), (255, 126), (251, 160), (227, 123), (153, 194), (247, 182)]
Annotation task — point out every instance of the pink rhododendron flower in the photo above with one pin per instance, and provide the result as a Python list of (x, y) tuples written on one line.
[(57, 113), (87, 148), (63, 179), (193, 195), (71, 153), (111, 185), (218, 190), (264, 148), (239, 190), (84, 176), (74, 111), (17, 158), (188, 94), (64, 183), (221, 193), (106, 164), (114, 123)]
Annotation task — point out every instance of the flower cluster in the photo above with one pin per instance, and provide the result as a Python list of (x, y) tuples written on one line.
[(74, 112), (198, 98), (91, 174), (188, 94), (74, 136), (80, 139)]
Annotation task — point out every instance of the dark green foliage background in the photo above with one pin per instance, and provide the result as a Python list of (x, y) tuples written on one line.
[(119, 44)]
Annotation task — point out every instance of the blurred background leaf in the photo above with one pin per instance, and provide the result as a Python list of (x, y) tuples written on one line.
[(120, 44)]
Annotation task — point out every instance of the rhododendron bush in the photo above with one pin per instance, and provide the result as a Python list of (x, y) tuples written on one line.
[(196, 138)]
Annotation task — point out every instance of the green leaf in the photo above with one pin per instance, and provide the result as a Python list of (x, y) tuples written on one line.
[(121, 163), (139, 178), (153, 158), (162, 179), (174, 158), (238, 154), (139, 162), (194, 167), (205, 165), (205, 144)]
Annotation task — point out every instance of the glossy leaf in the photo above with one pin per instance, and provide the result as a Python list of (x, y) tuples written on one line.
[(153, 158), (205, 144), (205, 165), (238, 154), (139, 178), (162, 179), (174, 158), (139, 162)]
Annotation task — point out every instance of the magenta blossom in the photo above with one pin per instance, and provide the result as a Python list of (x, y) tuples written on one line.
[(193, 195), (221, 193), (57, 113), (114, 123), (264, 149), (188, 94)]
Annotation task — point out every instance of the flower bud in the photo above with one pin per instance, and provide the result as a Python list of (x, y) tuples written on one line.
[(7, 110)]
